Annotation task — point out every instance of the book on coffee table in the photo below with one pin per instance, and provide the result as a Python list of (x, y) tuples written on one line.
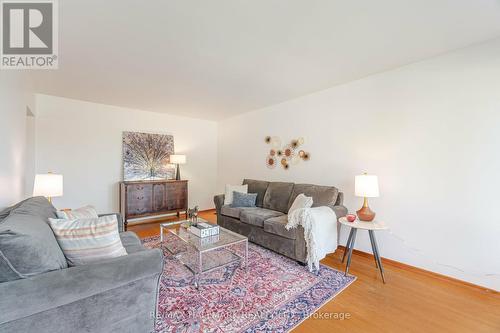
[(204, 229)]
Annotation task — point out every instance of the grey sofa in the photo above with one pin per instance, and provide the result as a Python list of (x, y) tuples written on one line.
[(40, 293), (265, 224)]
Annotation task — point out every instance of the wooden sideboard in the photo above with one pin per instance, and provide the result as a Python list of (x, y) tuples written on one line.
[(142, 199)]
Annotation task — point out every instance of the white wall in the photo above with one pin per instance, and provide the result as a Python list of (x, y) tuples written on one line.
[(30, 146), (15, 97), (430, 131), (83, 141)]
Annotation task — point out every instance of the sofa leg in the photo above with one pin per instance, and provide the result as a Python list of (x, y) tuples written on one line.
[(301, 263)]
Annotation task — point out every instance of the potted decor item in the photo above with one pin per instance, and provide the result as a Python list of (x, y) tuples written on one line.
[(193, 216)]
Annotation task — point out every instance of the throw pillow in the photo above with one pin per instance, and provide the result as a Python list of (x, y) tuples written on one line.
[(87, 240), (244, 199), (301, 201), (79, 213), (228, 196)]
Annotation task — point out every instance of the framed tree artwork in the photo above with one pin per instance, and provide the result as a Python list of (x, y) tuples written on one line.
[(146, 156)]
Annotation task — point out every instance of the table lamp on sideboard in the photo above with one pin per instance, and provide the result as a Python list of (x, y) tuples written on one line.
[(48, 185), (178, 159), (366, 186)]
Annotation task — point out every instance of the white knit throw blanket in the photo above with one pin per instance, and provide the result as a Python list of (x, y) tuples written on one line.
[(320, 232)]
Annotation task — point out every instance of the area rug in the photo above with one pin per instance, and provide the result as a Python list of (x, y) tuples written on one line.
[(274, 294)]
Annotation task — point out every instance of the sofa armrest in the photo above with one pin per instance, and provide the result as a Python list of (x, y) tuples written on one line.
[(25, 297), (340, 199), (339, 210), (219, 202), (119, 218)]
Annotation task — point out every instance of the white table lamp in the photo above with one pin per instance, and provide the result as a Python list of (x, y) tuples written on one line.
[(178, 159), (366, 186), (48, 185)]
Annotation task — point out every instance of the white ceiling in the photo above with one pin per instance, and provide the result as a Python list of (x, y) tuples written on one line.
[(215, 59)]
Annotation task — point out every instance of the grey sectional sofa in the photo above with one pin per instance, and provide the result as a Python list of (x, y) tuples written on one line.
[(40, 293), (265, 224)]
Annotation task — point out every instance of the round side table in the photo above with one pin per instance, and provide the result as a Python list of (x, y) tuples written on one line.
[(371, 227)]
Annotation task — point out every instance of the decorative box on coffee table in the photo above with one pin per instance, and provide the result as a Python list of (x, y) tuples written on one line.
[(143, 199)]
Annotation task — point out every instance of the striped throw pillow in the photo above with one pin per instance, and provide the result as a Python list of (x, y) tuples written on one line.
[(79, 213), (87, 240)]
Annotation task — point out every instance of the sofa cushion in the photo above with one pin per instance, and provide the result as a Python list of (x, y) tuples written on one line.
[(131, 242), (27, 245), (4, 213), (277, 196), (257, 216), (36, 206), (227, 210), (322, 195), (276, 226), (259, 187)]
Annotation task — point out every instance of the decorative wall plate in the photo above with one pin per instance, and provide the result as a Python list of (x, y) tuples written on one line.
[(287, 154), (271, 162)]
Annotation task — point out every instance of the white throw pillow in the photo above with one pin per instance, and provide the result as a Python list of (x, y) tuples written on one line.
[(228, 196), (87, 240), (301, 201), (79, 213)]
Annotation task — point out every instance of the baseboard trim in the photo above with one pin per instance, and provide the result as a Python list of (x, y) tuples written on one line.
[(418, 270)]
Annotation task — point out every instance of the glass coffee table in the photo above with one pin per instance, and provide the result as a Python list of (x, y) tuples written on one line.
[(202, 255)]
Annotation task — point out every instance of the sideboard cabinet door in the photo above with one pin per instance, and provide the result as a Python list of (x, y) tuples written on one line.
[(176, 195), (159, 198)]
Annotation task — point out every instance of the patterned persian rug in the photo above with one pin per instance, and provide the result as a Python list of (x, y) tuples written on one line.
[(274, 294)]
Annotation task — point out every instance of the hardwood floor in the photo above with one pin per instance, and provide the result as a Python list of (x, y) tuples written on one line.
[(411, 301)]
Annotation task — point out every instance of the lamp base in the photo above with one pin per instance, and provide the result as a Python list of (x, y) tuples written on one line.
[(365, 213), (178, 173)]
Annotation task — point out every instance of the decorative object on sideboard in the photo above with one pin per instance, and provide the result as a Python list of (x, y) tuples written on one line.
[(48, 185), (366, 186), (178, 159), (146, 156), (287, 154)]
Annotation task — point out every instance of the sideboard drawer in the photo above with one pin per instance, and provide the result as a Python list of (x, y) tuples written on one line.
[(139, 199)]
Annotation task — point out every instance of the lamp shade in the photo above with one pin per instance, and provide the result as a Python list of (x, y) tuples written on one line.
[(178, 159), (48, 185), (366, 186)]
